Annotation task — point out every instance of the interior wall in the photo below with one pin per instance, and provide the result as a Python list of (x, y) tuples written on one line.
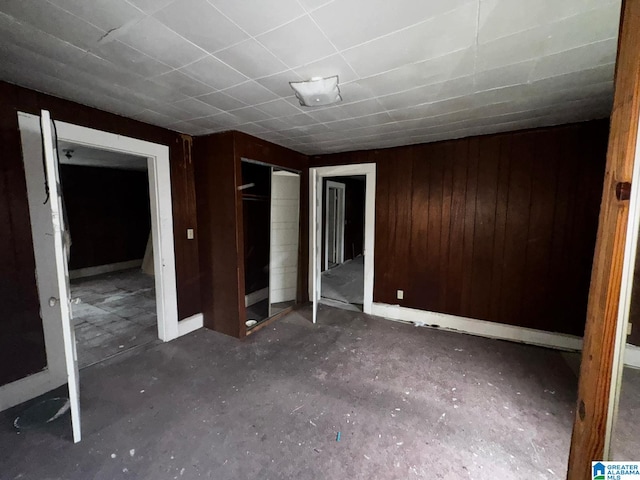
[(218, 176), (108, 214), (21, 340), (498, 227)]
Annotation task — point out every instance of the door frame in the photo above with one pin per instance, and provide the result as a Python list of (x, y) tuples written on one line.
[(341, 189), (316, 176), (161, 208)]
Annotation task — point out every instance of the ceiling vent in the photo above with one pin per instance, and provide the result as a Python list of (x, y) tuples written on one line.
[(317, 91)]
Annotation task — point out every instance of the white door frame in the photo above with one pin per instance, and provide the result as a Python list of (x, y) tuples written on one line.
[(163, 246), (339, 220), (316, 176)]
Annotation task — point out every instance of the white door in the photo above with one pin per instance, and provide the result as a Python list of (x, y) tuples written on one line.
[(334, 224), (315, 225), (58, 291)]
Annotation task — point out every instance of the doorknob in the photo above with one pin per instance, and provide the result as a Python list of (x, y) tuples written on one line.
[(76, 301), (53, 301)]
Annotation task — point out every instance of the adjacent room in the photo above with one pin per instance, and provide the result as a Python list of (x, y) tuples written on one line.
[(343, 241), (318, 238), (106, 199)]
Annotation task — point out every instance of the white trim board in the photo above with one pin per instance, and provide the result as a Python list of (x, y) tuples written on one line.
[(483, 328), (107, 268), (316, 174)]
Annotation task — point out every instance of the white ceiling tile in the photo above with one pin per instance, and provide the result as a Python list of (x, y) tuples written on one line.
[(54, 21), (514, 74), (365, 107), (376, 18), (298, 42), (251, 93), (328, 67), (249, 114), (213, 72), (436, 70), (105, 14), (161, 93), (201, 23), (251, 59), (589, 27), (222, 101), (429, 93), (95, 65), (501, 18), (184, 84), (516, 48), (279, 83), (444, 34), (278, 108), (35, 40), (310, 5), (196, 108), (417, 83), (124, 56), (258, 16), (577, 59), (150, 6), (158, 41)]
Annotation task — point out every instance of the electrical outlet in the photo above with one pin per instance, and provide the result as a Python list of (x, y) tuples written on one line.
[(189, 233), (400, 294), (629, 327)]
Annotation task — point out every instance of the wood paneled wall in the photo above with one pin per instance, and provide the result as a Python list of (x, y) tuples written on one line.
[(108, 213), (220, 219), (499, 227), (21, 344)]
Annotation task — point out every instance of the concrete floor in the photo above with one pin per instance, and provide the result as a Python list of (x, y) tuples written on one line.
[(345, 283), (117, 313), (408, 402)]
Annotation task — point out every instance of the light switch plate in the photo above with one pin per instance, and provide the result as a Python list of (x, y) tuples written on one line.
[(189, 233), (400, 294), (629, 328)]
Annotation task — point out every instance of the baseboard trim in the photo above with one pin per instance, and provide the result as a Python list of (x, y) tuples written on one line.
[(190, 324), (100, 269), (632, 356), (481, 328), (29, 387), (255, 297)]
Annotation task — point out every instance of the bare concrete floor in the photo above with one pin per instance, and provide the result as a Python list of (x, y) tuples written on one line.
[(625, 444), (117, 313), (408, 403)]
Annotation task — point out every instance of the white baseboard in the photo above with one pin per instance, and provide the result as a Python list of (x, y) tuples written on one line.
[(632, 356), (26, 388), (189, 324), (480, 328), (100, 269), (255, 297)]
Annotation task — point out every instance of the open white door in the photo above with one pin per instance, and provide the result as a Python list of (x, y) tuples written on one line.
[(58, 291), (315, 195)]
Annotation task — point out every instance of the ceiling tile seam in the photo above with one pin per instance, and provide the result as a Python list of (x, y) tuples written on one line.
[(426, 20), (537, 60), (252, 37), (475, 53), (215, 89), (309, 10), (74, 15), (550, 24), (154, 11), (330, 41)]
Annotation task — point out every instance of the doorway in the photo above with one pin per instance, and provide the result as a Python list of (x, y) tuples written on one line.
[(343, 242), (51, 269), (110, 259), (366, 174)]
